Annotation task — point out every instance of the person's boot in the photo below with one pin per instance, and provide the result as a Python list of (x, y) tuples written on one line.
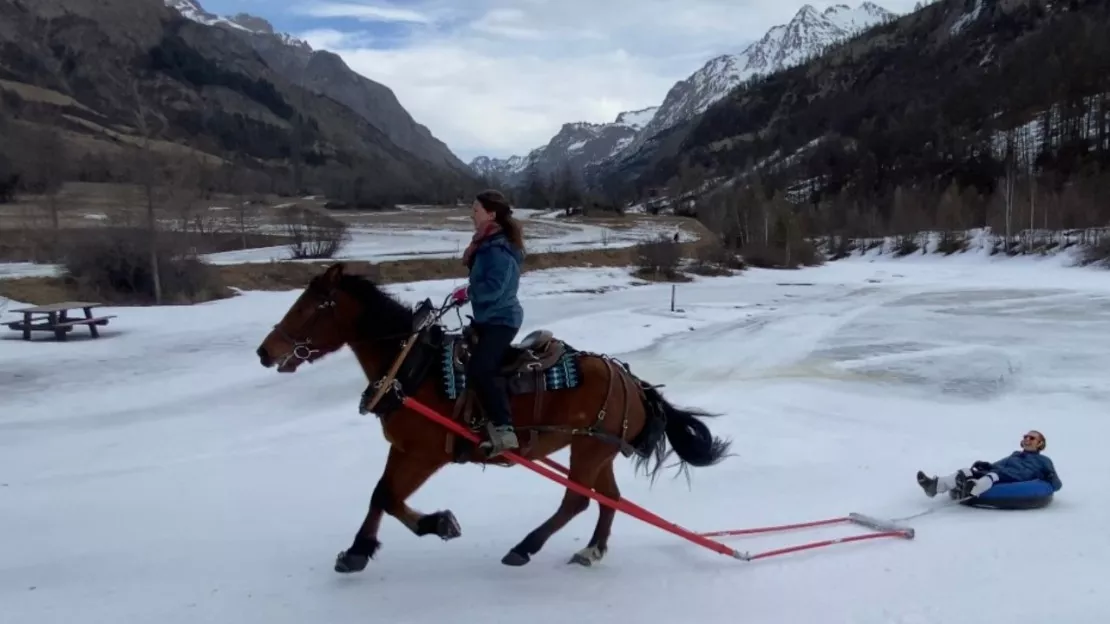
[(929, 484), (964, 483), (501, 438)]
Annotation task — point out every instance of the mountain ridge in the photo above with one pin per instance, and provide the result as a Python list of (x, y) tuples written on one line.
[(327, 73), (112, 76), (785, 45)]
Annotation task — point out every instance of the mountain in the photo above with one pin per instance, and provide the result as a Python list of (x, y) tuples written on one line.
[(577, 145), (109, 76), (326, 73), (806, 35), (955, 100)]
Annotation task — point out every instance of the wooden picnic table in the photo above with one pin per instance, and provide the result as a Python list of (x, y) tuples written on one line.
[(57, 319)]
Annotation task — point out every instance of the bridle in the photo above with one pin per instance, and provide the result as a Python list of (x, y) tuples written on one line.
[(303, 349)]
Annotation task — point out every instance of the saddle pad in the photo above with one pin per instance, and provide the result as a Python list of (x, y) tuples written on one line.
[(563, 375)]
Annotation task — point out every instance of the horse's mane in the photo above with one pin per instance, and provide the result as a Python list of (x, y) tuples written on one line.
[(383, 316)]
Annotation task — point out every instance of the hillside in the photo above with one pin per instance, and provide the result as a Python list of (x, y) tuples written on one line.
[(326, 73), (591, 150), (113, 85), (576, 146), (945, 118)]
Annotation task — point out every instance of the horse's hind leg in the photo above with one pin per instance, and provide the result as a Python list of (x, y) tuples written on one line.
[(587, 456), (403, 475), (606, 485)]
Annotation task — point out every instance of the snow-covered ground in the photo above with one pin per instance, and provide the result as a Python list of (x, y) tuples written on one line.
[(391, 241), (547, 234), (167, 477)]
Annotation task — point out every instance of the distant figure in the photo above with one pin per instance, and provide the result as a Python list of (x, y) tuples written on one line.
[(494, 257), (1028, 464), (676, 237)]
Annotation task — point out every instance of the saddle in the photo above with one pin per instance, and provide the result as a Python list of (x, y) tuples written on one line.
[(537, 352), (536, 364)]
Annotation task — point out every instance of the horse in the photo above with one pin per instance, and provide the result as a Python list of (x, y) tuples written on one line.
[(559, 397)]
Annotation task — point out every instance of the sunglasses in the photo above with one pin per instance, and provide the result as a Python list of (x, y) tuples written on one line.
[(1031, 438)]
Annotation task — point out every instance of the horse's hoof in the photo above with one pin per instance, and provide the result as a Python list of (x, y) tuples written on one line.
[(580, 560), (515, 559), (442, 524), (346, 563), (587, 556), (447, 525)]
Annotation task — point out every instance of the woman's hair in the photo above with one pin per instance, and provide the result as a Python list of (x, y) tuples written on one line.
[(494, 201)]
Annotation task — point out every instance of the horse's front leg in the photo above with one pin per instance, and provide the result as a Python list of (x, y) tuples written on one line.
[(404, 474)]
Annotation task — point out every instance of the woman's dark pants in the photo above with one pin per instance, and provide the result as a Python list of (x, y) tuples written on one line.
[(486, 358)]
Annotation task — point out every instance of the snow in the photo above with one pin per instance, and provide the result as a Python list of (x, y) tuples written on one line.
[(389, 242), (854, 20), (381, 244), (966, 19), (203, 487), (637, 119)]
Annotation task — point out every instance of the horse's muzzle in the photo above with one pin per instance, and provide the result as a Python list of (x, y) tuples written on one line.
[(264, 357)]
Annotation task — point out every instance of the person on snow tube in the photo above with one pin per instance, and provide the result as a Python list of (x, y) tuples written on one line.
[(1028, 464)]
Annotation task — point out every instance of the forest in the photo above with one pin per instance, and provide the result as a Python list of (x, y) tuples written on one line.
[(925, 123)]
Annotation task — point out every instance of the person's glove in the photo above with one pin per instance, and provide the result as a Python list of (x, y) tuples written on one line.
[(982, 467), (460, 295), (982, 484)]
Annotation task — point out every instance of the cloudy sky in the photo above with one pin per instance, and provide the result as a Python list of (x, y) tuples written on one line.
[(499, 77)]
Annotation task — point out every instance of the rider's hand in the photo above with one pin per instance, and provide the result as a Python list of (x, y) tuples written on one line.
[(460, 295)]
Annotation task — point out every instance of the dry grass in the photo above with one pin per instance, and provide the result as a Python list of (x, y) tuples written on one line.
[(293, 275), (89, 204), (31, 93), (47, 246), (105, 138), (286, 275), (37, 290)]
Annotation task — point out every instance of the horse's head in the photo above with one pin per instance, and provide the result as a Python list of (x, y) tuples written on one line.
[(319, 322)]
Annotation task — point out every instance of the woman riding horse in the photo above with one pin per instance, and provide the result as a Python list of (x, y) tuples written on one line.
[(494, 257)]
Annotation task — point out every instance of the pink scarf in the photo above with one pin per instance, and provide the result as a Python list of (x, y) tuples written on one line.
[(488, 229)]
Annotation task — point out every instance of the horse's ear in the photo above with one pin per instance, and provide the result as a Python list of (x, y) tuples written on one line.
[(334, 272)]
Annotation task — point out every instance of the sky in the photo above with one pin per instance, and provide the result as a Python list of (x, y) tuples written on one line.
[(500, 77)]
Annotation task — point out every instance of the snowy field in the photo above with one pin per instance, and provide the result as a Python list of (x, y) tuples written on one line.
[(440, 237), (169, 478), (380, 242)]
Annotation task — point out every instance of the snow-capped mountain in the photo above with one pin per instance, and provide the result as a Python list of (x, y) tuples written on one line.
[(326, 73), (577, 144), (190, 9), (783, 46)]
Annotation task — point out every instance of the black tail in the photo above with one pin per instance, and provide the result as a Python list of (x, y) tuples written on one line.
[(690, 438)]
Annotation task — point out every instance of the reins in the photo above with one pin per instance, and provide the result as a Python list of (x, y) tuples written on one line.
[(389, 380)]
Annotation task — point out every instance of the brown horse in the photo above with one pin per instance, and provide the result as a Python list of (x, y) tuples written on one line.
[(559, 397)]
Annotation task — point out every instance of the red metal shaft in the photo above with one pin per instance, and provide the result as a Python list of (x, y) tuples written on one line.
[(633, 510), (728, 533), (823, 543), (777, 528)]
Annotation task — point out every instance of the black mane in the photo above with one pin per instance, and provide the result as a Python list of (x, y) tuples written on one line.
[(383, 316)]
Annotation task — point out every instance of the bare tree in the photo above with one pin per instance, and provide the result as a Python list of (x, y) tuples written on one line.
[(1009, 185), (46, 169), (314, 234), (148, 173)]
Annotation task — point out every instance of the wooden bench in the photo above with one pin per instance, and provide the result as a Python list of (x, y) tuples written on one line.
[(57, 319)]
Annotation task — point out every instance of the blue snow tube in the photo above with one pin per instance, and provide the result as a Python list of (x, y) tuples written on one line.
[(1017, 495)]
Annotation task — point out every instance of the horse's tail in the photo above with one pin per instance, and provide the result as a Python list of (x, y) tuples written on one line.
[(690, 438)]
